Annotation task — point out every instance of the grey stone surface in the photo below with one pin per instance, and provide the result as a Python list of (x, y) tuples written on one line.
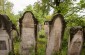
[(5, 37), (75, 45), (46, 28), (54, 42), (28, 35)]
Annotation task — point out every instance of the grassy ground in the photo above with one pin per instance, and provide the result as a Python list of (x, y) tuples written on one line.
[(42, 46), (16, 48)]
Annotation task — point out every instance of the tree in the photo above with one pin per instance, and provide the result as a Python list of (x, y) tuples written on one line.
[(2, 2)]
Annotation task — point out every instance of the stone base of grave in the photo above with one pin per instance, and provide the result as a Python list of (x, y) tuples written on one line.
[(28, 41), (5, 43)]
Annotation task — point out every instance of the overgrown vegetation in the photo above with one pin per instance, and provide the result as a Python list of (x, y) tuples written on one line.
[(70, 9)]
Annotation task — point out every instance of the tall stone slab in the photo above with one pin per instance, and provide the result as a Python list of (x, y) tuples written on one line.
[(28, 32), (5, 35), (46, 28), (5, 46), (39, 26), (57, 26), (75, 42)]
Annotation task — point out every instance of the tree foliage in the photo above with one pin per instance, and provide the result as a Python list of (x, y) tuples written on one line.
[(70, 9)]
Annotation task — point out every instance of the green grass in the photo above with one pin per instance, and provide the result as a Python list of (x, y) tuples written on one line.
[(16, 48), (42, 46)]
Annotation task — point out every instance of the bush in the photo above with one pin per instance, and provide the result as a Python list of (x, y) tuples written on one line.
[(42, 33)]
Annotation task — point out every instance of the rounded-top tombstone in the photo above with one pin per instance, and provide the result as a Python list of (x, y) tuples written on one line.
[(46, 28), (28, 31), (75, 41), (5, 35), (57, 26)]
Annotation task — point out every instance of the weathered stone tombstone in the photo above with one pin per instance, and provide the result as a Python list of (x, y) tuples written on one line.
[(75, 41), (28, 32), (46, 28), (57, 26), (5, 44), (5, 35), (39, 26)]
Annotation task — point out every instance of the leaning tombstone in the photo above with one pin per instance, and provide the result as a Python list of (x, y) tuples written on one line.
[(75, 42), (5, 35), (28, 33), (56, 32)]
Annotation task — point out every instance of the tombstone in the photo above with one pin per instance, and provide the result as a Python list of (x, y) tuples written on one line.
[(39, 26), (5, 34), (28, 32), (5, 44), (56, 31), (46, 28), (75, 41)]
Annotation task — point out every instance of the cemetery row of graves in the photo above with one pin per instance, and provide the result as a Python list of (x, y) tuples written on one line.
[(27, 33)]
